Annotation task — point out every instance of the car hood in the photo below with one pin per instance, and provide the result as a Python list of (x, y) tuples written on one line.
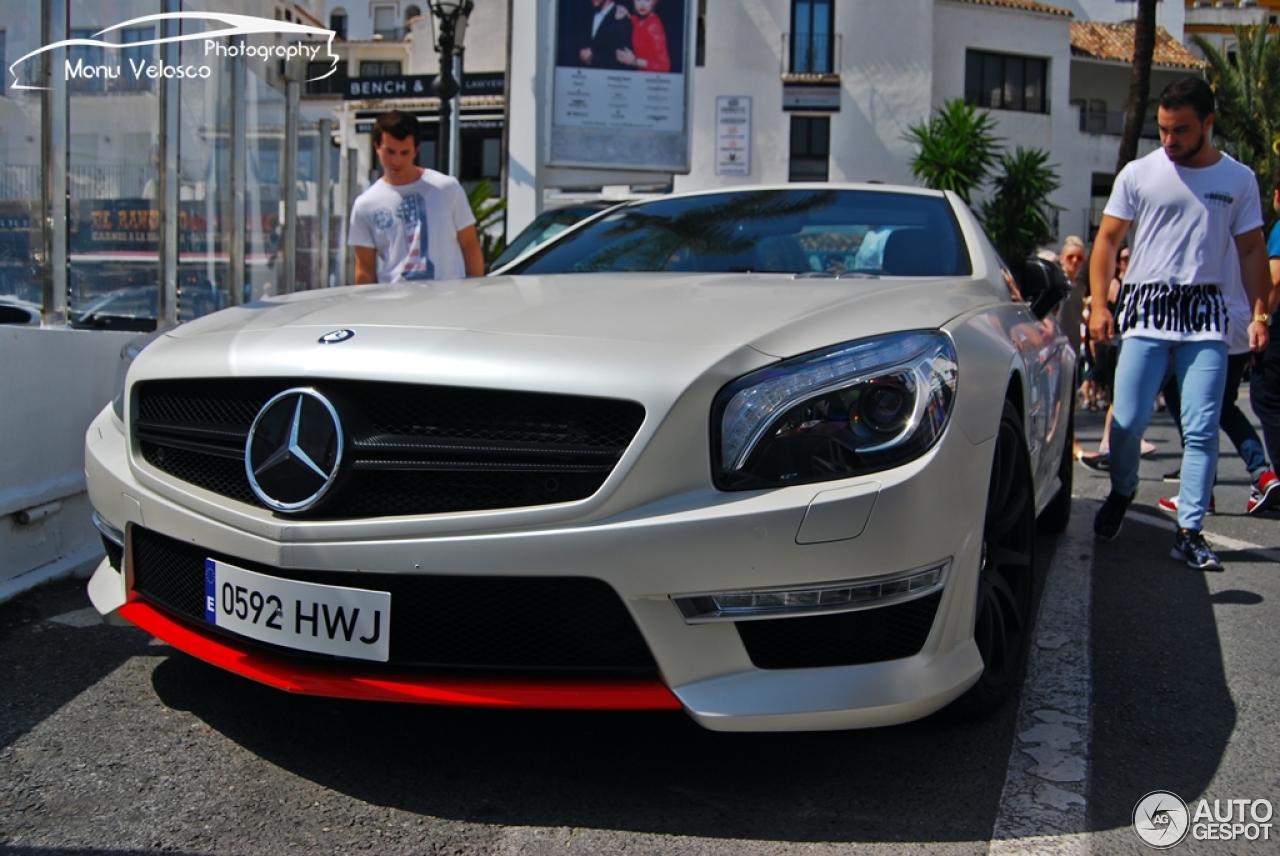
[(767, 311)]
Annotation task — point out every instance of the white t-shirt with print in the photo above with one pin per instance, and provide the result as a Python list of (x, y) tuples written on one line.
[(414, 227), (1182, 271)]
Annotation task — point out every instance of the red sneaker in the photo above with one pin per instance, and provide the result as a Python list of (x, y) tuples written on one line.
[(1265, 494), (1170, 503)]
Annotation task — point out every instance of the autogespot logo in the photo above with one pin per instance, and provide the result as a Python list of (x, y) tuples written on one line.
[(294, 450), (1160, 819)]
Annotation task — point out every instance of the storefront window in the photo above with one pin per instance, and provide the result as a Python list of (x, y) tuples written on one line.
[(21, 256), (113, 279)]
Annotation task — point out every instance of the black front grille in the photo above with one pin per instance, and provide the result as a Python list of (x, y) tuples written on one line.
[(518, 624), (844, 639), (410, 450)]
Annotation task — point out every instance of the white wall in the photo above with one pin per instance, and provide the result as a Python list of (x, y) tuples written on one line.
[(57, 381), (1039, 35), (885, 82)]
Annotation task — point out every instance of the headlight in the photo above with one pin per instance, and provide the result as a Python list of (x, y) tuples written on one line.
[(127, 355), (856, 408)]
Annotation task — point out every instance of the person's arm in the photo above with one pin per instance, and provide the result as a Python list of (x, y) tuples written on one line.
[(1257, 283), (1102, 268), (472, 255), (366, 265)]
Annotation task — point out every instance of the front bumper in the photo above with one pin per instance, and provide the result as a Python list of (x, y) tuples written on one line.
[(912, 517)]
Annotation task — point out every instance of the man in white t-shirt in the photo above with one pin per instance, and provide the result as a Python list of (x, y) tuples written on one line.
[(1191, 206), (415, 221)]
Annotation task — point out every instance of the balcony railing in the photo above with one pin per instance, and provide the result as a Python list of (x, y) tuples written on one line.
[(811, 53), (1111, 122), (393, 34)]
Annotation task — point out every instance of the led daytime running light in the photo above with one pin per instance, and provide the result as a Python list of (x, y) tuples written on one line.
[(847, 597)]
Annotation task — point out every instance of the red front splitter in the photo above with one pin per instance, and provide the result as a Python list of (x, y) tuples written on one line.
[(343, 681)]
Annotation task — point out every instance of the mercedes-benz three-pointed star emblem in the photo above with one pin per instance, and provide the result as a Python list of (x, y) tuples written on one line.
[(294, 449)]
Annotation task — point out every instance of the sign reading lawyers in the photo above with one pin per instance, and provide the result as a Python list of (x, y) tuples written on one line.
[(621, 87), (418, 86)]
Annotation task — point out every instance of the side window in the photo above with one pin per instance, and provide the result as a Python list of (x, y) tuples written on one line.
[(1006, 81), (810, 148)]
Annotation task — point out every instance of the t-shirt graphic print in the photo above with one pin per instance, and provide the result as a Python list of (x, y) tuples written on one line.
[(1183, 278)]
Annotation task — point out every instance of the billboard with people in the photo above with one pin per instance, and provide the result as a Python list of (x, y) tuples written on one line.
[(620, 86)]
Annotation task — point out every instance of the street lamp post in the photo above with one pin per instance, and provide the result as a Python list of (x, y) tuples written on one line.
[(452, 15)]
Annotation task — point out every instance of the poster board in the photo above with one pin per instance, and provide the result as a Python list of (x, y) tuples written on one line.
[(620, 88)]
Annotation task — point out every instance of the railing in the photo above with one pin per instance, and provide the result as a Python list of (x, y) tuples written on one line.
[(1111, 122), (811, 53), (117, 181), (394, 34)]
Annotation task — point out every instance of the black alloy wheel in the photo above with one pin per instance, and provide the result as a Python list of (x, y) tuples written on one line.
[(1002, 629)]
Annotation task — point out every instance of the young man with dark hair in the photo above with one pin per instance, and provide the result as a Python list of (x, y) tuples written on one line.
[(1191, 207), (416, 221), (1264, 388)]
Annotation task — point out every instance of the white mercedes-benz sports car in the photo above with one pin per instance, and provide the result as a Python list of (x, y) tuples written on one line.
[(773, 456)]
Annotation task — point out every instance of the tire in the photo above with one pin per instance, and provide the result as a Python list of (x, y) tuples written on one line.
[(1005, 597), (1057, 514)]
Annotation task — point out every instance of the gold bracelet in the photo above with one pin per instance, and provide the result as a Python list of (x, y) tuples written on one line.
[(1264, 317)]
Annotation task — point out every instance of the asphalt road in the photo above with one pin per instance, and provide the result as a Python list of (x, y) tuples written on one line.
[(111, 743)]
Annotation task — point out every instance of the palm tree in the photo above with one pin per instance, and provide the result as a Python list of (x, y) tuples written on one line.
[(1248, 117), (1016, 218), (1144, 49), (488, 212), (958, 147)]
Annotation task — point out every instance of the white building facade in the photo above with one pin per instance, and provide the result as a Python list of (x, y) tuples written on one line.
[(886, 67)]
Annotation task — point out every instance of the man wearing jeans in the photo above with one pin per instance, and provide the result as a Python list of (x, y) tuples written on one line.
[(1190, 206)]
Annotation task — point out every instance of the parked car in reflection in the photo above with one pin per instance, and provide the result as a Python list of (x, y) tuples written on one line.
[(546, 226), (660, 462), (14, 310), (138, 307)]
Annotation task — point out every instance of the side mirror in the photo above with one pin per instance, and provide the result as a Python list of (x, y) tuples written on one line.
[(1044, 285)]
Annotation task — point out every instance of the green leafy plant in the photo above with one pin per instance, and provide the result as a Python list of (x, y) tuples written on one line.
[(1016, 217), (1247, 123), (489, 213), (958, 147)]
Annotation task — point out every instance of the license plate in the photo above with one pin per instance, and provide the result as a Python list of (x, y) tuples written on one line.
[(345, 622)]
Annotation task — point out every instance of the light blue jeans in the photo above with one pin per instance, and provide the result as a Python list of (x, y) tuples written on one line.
[(1201, 370)]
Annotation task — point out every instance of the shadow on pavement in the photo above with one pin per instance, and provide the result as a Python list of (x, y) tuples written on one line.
[(44, 665), (939, 779), (1162, 710)]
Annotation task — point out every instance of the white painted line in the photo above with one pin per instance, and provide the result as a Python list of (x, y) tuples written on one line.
[(1042, 808), (1222, 541)]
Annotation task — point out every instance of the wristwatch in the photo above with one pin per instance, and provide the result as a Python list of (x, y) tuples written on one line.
[(1264, 317)]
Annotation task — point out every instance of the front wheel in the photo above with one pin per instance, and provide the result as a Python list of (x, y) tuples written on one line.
[(1002, 628)]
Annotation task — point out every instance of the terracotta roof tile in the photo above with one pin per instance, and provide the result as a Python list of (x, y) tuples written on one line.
[(1115, 42), (1029, 5)]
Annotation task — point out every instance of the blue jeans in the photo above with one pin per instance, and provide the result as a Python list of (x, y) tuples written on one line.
[(1233, 422), (1201, 370)]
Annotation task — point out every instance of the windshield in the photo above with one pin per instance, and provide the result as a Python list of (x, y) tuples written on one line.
[(544, 227), (814, 230)]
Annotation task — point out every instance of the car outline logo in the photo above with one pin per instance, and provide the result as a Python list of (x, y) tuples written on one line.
[(285, 440), (336, 336)]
